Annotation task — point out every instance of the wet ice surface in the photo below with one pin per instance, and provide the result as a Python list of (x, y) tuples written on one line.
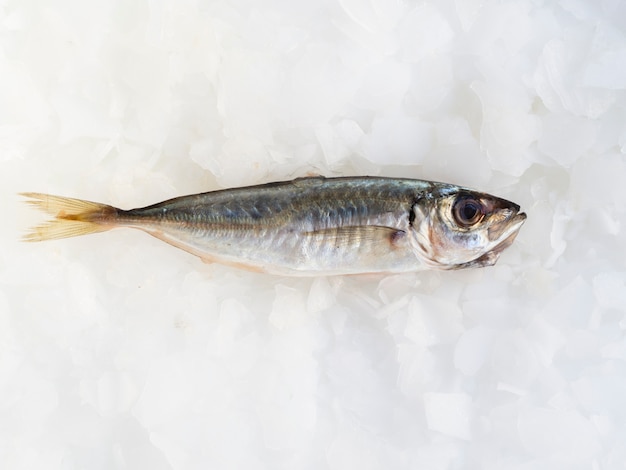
[(118, 351)]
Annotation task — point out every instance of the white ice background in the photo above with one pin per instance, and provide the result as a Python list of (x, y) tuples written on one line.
[(118, 351)]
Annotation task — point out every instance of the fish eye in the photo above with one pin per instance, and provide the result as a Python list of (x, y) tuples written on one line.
[(467, 211)]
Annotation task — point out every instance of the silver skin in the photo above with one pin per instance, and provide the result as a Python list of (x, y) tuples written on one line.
[(324, 226)]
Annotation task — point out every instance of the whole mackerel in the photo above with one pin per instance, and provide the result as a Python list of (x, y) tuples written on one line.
[(313, 226)]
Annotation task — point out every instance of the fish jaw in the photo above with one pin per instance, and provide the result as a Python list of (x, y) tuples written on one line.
[(505, 240), (513, 227)]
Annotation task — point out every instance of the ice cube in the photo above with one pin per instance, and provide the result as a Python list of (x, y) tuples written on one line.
[(566, 436), (609, 288), (565, 137), (398, 139), (508, 126), (472, 349), (425, 31), (167, 393), (449, 413)]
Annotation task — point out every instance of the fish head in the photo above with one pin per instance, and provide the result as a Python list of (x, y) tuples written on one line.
[(459, 228)]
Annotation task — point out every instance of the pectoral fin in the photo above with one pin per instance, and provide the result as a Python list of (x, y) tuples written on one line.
[(358, 235)]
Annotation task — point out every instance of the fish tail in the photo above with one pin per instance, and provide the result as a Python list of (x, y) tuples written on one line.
[(72, 217)]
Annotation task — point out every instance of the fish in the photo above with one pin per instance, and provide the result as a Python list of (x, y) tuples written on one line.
[(312, 226)]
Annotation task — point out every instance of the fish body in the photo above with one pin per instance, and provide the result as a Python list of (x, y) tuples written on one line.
[(313, 226)]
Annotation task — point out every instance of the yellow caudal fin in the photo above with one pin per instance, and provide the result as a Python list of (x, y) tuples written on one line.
[(72, 217)]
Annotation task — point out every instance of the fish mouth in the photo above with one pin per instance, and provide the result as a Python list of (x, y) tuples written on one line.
[(507, 236), (512, 229)]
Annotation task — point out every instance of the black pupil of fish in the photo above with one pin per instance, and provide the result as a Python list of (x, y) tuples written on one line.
[(468, 211)]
